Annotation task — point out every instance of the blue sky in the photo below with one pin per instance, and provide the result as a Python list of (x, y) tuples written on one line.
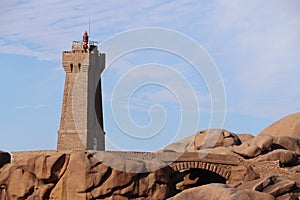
[(254, 44)]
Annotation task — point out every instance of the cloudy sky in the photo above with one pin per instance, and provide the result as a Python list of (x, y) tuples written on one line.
[(254, 46)]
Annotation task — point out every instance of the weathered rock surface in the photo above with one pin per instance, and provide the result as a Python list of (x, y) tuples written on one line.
[(295, 168), (217, 191), (273, 185), (79, 175), (246, 150), (283, 156), (245, 137), (262, 141), (287, 126), (221, 151), (215, 138), (205, 139), (243, 173), (266, 166), (286, 142), (269, 148), (260, 154)]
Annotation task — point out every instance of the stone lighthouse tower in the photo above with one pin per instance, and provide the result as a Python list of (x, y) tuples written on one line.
[(81, 124)]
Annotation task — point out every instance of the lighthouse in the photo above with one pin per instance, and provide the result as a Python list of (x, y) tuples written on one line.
[(81, 123)]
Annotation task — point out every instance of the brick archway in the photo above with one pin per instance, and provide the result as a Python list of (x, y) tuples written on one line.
[(220, 169)]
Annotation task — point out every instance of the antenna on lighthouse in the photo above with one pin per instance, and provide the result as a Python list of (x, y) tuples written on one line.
[(89, 26)]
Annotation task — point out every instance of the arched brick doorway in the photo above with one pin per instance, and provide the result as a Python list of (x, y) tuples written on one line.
[(193, 177)]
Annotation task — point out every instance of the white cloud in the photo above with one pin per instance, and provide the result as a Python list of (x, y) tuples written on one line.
[(256, 43), (48, 26)]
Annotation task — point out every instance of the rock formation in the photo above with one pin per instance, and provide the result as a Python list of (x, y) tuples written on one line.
[(216, 191), (266, 166), (287, 126), (79, 175)]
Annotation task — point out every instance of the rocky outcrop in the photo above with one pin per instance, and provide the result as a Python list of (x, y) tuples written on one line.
[(79, 175), (287, 126), (286, 142), (211, 138), (271, 187), (218, 165), (243, 173), (217, 191), (264, 156), (278, 187), (283, 156), (260, 148)]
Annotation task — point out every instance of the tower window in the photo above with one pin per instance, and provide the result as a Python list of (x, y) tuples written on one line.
[(71, 66), (79, 65)]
